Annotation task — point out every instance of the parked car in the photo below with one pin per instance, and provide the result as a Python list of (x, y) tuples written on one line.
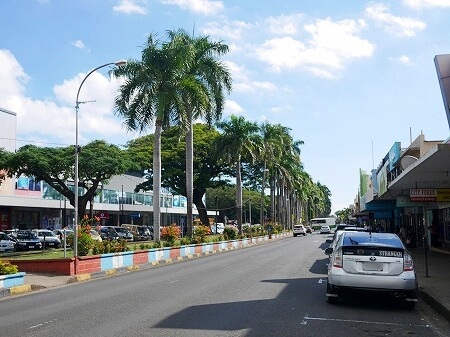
[(108, 233), (26, 240), (6, 243), (299, 230), (367, 261), (61, 233), (123, 233), (47, 238), (218, 228), (325, 230), (95, 235), (140, 233)]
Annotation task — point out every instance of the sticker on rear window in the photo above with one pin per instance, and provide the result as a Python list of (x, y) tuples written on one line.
[(390, 253)]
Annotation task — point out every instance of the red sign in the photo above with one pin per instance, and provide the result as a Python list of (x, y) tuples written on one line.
[(103, 215)]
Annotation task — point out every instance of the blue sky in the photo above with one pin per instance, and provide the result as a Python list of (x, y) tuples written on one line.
[(349, 78)]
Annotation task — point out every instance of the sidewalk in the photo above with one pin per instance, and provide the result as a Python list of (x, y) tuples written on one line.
[(434, 287)]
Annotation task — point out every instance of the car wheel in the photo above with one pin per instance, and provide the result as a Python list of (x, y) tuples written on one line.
[(409, 305), (332, 299), (304, 234), (295, 235)]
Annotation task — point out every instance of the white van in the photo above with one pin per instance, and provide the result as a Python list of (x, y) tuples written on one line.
[(316, 223)]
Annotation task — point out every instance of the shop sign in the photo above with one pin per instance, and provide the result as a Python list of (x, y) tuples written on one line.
[(429, 194), (103, 215)]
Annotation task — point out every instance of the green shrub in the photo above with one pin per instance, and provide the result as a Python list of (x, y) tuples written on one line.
[(185, 241), (170, 234), (200, 233), (6, 268), (230, 232)]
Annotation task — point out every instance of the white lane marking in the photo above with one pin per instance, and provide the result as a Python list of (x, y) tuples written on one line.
[(41, 324), (365, 322), (174, 281)]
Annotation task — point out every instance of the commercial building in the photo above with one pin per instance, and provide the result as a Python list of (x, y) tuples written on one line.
[(410, 189), (26, 203)]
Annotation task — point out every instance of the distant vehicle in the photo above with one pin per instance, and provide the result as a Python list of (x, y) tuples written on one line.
[(63, 232), (325, 230), (367, 261), (123, 233), (6, 243), (308, 229), (299, 230), (316, 223), (26, 240), (108, 233), (139, 232), (220, 228), (47, 238), (95, 235)]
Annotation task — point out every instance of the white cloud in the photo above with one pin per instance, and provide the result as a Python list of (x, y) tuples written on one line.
[(242, 83), (131, 7), (56, 119), (332, 44), (204, 7), (228, 31), (233, 108), (79, 44), (419, 4), (285, 24), (13, 78), (398, 26), (402, 59)]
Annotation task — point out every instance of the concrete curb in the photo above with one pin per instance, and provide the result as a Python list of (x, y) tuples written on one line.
[(434, 303), (122, 270)]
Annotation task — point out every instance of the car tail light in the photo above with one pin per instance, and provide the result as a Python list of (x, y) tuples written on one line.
[(337, 259), (407, 262)]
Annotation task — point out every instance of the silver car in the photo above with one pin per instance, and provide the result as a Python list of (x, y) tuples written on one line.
[(367, 261)]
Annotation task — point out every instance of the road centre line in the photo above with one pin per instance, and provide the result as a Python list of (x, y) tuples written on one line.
[(306, 318)]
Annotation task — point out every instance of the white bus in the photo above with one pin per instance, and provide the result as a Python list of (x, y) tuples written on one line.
[(316, 223)]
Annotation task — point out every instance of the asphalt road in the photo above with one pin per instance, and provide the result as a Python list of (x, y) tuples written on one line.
[(276, 289)]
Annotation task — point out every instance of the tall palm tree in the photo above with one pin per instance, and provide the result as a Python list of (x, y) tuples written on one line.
[(150, 96), (239, 139), (205, 79)]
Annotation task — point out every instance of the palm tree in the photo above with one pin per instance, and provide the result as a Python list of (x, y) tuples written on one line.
[(150, 96), (205, 80), (239, 139)]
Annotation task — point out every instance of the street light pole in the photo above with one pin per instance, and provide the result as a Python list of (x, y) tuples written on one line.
[(77, 151)]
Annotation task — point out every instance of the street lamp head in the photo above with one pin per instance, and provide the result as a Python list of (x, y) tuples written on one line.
[(120, 63)]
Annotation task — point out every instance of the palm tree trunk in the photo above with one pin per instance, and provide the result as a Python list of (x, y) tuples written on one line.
[(239, 195), (157, 181), (189, 174), (261, 205)]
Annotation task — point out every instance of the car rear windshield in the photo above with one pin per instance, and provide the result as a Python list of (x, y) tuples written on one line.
[(366, 239)]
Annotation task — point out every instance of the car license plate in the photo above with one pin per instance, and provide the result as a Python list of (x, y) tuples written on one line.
[(31, 246), (373, 266)]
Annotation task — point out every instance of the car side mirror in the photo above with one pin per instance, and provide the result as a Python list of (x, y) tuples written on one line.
[(329, 241), (329, 251)]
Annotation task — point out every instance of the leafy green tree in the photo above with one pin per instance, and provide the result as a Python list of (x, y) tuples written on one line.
[(326, 199), (205, 80), (98, 162), (239, 139), (150, 97), (173, 160)]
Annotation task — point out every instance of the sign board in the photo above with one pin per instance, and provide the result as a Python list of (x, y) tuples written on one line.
[(430, 194)]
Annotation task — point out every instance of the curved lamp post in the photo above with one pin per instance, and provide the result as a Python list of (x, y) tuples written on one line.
[(77, 151)]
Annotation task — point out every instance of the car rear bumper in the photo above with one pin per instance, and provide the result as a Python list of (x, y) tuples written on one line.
[(404, 282)]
